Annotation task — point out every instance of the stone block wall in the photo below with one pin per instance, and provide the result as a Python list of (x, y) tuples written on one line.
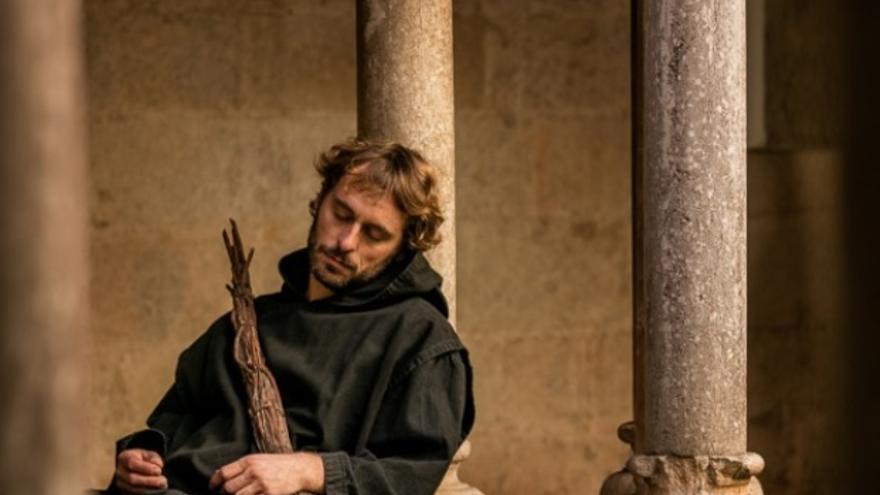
[(542, 102)]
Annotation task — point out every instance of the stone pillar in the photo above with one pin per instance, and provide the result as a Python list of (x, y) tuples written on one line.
[(405, 94), (689, 184), (43, 246)]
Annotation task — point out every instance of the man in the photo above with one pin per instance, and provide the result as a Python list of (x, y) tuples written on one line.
[(375, 384)]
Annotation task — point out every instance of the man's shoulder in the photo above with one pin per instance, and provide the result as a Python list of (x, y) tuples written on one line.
[(420, 320), (428, 337), (424, 334), (420, 308)]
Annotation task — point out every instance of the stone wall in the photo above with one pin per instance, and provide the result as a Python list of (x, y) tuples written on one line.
[(797, 252), (542, 96), (805, 71), (205, 109), (797, 337)]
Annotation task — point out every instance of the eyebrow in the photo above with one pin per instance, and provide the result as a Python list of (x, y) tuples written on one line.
[(382, 230)]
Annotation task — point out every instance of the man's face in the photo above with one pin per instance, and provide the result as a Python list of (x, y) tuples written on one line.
[(356, 233)]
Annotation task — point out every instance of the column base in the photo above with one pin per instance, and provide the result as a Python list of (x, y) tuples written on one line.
[(699, 475)]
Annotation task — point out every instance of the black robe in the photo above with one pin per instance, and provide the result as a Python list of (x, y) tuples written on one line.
[(374, 379)]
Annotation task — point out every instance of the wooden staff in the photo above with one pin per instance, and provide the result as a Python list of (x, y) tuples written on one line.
[(264, 402)]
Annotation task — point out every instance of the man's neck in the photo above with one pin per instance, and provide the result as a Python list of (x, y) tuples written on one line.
[(316, 290)]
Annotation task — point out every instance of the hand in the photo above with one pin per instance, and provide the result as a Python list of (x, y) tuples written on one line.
[(271, 474), (139, 471)]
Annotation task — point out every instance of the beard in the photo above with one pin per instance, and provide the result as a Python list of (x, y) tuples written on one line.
[(333, 278)]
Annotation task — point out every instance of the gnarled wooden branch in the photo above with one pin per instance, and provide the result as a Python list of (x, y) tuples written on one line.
[(264, 401)]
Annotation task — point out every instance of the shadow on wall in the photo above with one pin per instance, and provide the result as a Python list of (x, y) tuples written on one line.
[(795, 316), (813, 253), (862, 186)]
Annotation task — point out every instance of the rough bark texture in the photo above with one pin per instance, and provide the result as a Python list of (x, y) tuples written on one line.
[(265, 408)]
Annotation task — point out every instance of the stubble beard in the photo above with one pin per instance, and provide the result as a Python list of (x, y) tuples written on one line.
[(338, 282)]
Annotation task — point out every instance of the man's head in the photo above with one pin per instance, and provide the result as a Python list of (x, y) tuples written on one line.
[(376, 202)]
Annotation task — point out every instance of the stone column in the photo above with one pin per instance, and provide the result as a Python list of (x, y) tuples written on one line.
[(43, 246), (689, 184), (405, 94)]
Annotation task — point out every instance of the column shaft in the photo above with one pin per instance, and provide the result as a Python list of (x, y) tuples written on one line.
[(43, 246), (690, 291), (689, 186), (405, 94)]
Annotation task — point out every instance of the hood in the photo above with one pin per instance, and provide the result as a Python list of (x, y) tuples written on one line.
[(411, 276)]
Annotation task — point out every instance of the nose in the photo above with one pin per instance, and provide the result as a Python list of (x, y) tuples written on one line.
[(348, 238)]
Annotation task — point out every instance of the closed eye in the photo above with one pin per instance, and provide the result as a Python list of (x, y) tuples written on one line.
[(376, 233), (342, 212)]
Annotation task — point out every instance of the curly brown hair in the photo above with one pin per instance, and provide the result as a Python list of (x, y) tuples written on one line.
[(395, 169)]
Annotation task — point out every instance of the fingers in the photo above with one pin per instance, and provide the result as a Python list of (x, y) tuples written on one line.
[(139, 466), (146, 481), (138, 471), (154, 458), (226, 473), (135, 483), (252, 489), (240, 482)]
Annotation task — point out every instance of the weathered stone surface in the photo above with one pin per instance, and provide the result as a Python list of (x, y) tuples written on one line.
[(221, 58), (648, 475), (516, 251), (689, 436), (405, 94), (149, 59), (288, 74), (44, 266), (690, 292), (699, 475)]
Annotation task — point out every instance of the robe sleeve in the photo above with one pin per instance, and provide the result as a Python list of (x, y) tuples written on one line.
[(173, 411), (423, 419), (176, 409), (163, 420)]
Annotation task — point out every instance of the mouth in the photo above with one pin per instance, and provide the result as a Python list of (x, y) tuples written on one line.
[(336, 261)]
